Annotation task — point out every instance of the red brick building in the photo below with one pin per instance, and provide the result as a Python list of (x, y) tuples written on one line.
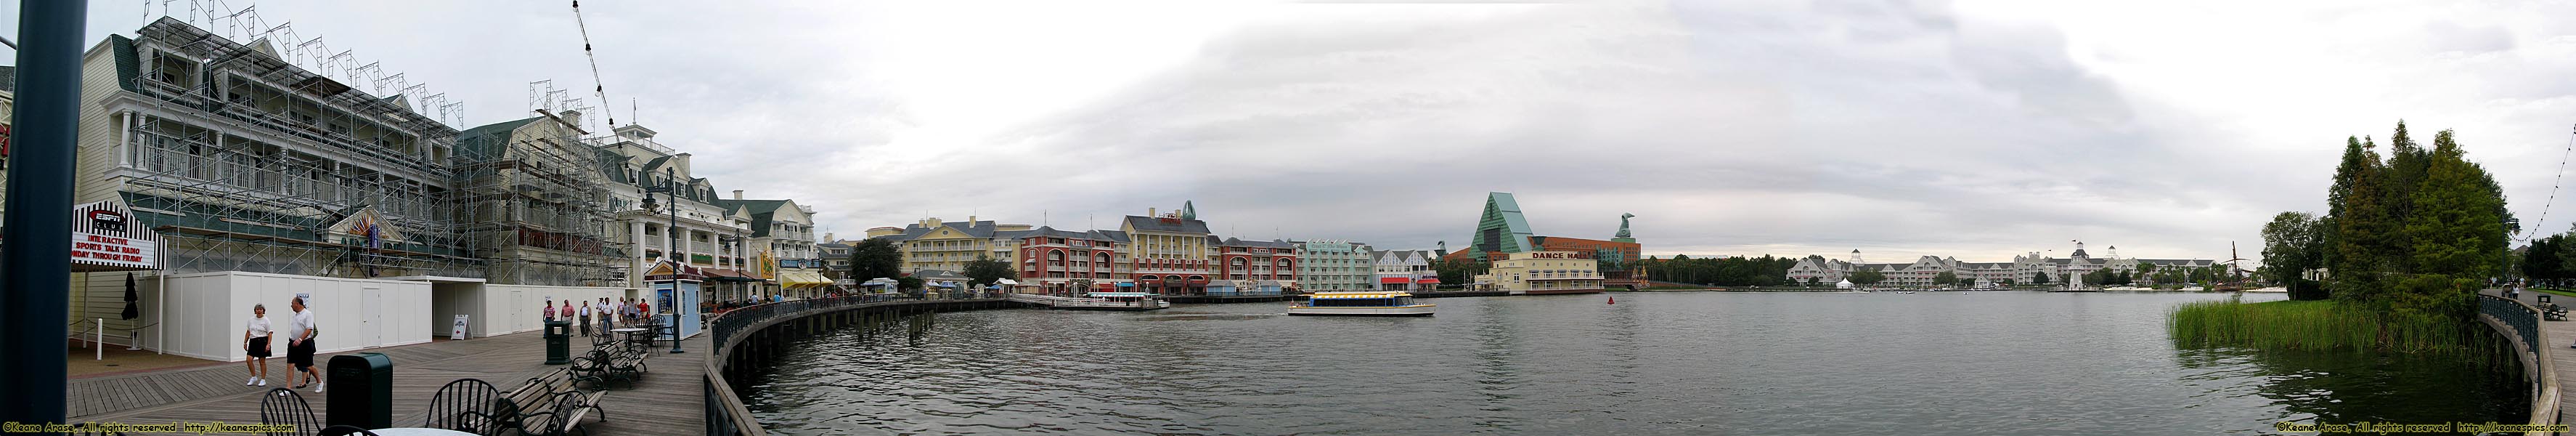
[(1070, 263)]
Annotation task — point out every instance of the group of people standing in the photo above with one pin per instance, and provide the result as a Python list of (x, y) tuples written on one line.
[(300, 332), (628, 310)]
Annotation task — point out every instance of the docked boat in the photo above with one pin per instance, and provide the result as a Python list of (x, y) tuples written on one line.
[(1361, 304), (1097, 301)]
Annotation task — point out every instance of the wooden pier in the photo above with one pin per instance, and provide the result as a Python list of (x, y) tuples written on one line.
[(2557, 358), (668, 400)]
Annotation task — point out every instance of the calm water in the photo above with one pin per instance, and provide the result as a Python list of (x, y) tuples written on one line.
[(1656, 363)]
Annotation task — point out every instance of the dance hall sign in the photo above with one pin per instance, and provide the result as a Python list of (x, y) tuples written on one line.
[(106, 238)]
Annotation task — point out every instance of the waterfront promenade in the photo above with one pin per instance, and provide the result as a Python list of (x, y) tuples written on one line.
[(2559, 334), (669, 400)]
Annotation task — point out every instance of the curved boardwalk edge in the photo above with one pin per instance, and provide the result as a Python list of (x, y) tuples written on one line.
[(725, 413), (2521, 324)]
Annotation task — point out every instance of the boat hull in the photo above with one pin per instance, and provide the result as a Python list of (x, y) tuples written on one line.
[(1413, 310)]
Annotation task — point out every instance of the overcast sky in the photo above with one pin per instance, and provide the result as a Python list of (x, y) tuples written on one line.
[(1975, 129)]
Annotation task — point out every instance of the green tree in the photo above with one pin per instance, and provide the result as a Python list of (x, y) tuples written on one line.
[(2546, 258), (2039, 278), (908, 283), (1458, 271), (875, 258), (1866, 276), (1811, 282), (2457, 228), (2293, 244), (985, 271), (2361, 236), (1945, 278)]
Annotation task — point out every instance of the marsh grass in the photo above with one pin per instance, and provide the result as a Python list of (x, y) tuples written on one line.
[(2322, 326)]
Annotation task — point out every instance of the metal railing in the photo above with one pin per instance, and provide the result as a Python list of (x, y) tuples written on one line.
[(726, 414), (2524, 321)]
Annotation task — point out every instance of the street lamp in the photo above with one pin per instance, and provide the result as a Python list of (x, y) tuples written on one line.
[(672, 251)]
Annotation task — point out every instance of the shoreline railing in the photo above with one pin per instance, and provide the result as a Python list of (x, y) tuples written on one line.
[(2522, 321)]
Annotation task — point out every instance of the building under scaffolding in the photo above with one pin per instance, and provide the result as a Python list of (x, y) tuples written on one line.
[(534, 201), (247, 163), (267, 182)]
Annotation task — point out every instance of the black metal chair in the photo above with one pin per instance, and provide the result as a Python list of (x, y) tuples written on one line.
[(345, 430), (467, 405), (282, 406)]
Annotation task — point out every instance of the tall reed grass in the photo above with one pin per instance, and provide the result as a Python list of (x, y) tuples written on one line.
[(2321, 326)]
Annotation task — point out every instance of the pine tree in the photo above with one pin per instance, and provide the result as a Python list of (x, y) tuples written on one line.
[(2358, 224), (2456, 229)]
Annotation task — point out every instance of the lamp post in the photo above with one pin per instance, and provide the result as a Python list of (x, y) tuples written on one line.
[(672, 252)]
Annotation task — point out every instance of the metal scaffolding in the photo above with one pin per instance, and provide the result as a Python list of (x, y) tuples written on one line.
[(535, 201), (246, 162)]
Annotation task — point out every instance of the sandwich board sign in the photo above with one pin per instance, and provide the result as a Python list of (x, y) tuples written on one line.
[(458, 332)]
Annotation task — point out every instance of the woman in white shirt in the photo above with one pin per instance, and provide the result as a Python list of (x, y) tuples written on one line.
[(255, 342)]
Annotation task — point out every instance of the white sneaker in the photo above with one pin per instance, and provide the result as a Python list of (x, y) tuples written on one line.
[(317, 387), (263, 382), (252, 381)]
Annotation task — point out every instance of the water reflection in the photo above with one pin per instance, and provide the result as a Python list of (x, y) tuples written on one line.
[(1659, 363)]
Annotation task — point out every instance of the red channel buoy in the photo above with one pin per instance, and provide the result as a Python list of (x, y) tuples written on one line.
[(1614, 299)]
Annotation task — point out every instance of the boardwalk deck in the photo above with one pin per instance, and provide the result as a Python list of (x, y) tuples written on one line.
[(669, 400), (2560, 355)]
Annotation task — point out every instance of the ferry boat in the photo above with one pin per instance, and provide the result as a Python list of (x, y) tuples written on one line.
[(1361, 304), (1098, 301)]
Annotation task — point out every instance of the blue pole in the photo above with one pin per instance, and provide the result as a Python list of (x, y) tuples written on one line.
[(35, 267)]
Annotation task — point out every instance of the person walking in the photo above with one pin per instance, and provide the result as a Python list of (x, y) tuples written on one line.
[(550, 310), (255, 344), (585, 317), (607, 316), (299, 347), (564, 313)]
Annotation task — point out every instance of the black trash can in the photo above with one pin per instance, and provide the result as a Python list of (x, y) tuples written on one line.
[(558, 342), (362, 391)]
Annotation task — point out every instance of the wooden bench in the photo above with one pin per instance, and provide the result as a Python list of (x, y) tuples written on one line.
[(551, 404)]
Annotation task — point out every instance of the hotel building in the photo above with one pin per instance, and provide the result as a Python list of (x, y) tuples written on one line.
[(1334, 266), (1545, 272), (2021, 270)]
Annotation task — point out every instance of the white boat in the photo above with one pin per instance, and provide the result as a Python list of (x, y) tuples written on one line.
[(1098, 301), (1361, 304)]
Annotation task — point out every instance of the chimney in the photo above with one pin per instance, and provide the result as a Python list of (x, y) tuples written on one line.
[(572, 118), (683, 159), (737, 195), (970, 220), (1149, 213)]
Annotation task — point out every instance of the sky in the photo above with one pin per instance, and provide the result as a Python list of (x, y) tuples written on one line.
[(1973, 129)]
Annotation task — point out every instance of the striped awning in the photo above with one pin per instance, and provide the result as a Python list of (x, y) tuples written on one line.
[(794, 279)]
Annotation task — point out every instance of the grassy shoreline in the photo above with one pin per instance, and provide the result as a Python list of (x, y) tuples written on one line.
[(2319, 326)]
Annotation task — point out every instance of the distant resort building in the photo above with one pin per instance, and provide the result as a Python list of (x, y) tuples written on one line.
[(1404, 270), (1501, 234), (2020, 270)]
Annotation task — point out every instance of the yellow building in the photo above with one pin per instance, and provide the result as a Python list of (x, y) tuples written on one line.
[(933, 244), (1545, 272), (1170, 251)]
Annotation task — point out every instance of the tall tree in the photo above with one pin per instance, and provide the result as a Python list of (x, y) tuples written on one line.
[(875, 258), (2360, 232), (2457, 229), (985, 271), (2292, 245), (2039, 278), (2545, 258), (1945, 278)]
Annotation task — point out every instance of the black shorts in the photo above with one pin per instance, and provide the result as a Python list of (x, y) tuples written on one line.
[(300, 355), (258, 347)]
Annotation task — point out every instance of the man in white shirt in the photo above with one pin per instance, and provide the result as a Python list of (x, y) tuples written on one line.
[(299, 348), (585, 317)]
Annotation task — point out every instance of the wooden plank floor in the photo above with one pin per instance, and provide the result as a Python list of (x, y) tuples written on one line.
[(669, 400), (2559, 333)]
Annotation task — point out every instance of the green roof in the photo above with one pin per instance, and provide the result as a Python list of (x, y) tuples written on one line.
[(489, 140), (761, 211)]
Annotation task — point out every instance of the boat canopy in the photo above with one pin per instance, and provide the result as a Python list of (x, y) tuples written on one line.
[(1119, 294)]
